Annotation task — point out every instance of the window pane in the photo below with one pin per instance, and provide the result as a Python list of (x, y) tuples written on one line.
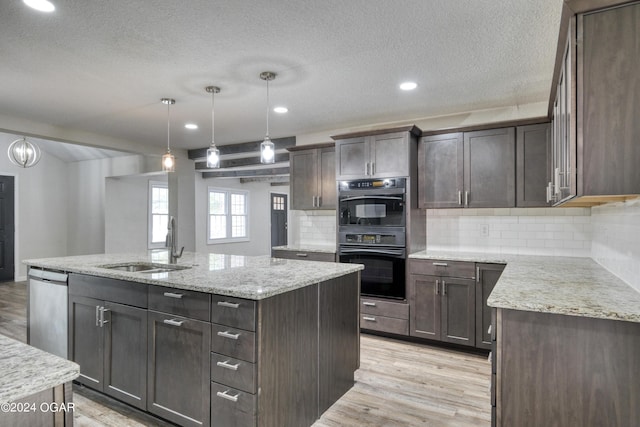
[(238, 226), (217, 227), (238, 204), (159, 200), (159, 227), (216, 203)]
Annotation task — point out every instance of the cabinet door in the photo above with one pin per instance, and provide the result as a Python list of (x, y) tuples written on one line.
[(327, 178), (304, 177), (458, 311), (487, 276), (609, 55), (441, 171), (86, 339), (424, 306), (532, 164), (178, 369), (352, 158), (389, 155), (489, 168), (125, 369)]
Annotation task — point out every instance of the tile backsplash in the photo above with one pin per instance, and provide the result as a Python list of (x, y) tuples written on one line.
[(313, 227), (616, 239), (526, 231)]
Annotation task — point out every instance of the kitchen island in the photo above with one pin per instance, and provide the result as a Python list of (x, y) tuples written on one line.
[(35, 386), (566, 341), (215, 339)]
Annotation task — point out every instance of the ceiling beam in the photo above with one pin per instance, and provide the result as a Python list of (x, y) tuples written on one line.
[(245, 147), (221, 173), (274, 180), (242, 161)]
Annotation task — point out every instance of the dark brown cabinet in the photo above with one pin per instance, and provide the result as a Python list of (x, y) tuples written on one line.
[(109, 340), (533, 149), (304, 255), (384, 316), (313, 177), (471, 169), (381, 154), (443, 306), (487, 276)]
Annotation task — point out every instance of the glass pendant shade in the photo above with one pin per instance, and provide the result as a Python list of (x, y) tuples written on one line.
[(267, 151), (213, 157), (168, 162), (23, 153)]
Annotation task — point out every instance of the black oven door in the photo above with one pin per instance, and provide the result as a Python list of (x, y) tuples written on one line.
[(384, 270), (383, 210)]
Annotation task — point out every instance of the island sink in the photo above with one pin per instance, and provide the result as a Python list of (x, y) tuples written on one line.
[(143, 267)]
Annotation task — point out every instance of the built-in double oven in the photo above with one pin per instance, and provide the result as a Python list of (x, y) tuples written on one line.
[(372, 232)]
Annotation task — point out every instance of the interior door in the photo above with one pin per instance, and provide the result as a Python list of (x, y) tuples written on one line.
[(278, 219), (7, 229)]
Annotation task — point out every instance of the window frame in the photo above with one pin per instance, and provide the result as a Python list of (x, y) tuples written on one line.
[(150, 214), (228, 192)]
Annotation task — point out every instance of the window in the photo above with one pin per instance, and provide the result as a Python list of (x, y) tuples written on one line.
[(158, 213), (228, 215)]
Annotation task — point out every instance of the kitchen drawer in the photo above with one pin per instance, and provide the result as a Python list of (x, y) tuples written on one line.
[(384, 308), (190, 304), (103, 288), (234, 312), (303, 255), (234, 373), (384, 324), (231, 407), (443, 268), (233, 342)]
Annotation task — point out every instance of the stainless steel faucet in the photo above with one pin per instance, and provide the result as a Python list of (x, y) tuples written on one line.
[(171, 242)]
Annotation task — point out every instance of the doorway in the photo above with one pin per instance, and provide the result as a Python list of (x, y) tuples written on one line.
[(278, 219), (7, 228)]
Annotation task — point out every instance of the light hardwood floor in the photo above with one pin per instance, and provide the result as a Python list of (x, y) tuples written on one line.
[(399, 384)]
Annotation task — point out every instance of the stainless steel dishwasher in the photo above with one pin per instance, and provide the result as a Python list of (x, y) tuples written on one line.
[(47, 316)]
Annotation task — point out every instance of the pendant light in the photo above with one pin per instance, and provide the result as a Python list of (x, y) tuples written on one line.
[(168, 160), (267, 149), (23, 153), (213, 154)]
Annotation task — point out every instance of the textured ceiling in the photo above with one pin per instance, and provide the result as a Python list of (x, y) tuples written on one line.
[(102, 66)]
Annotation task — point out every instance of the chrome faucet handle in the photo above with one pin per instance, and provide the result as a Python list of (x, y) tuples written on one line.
[(176, 255)]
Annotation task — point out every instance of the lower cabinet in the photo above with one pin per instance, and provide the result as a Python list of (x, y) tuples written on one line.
[(487, 276), (384, 316), (178, 367)]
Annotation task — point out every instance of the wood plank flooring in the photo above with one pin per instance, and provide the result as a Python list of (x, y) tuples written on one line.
[(398, 384)]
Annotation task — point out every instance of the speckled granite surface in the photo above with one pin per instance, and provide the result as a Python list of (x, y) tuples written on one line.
[(26, 370), (251, 277), (325, 249), (559, 285)]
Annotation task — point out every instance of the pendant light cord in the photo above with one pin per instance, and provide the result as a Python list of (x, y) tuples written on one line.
[(213, 94), (168, 127), (267, 108)]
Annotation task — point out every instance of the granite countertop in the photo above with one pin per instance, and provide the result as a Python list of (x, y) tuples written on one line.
[(26, 370), (326, 249), (558, 285), (251, 277)]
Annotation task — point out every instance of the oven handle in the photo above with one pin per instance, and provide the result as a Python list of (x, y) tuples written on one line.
[(354, 251), (349, 199)]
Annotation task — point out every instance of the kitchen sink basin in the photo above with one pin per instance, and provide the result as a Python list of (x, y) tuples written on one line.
[(145, 267)]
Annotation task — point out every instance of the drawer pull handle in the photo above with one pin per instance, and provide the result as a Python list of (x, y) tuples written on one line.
[(173, 322), (440, 264), (489, 330), (369, 319), (302, 255), (369, 304), (228, 304), (227, 334), (225, 395), (173, 295), (228, 365)]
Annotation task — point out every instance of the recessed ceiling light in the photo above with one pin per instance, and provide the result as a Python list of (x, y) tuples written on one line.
[(41, 5), (408, 85), (191, 126), (280, 110)]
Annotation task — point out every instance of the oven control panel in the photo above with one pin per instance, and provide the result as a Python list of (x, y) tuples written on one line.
[(372, 184)]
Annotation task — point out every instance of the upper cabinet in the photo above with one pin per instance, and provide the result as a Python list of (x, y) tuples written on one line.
[(378, 154), (533, 151), (471, 169), (595, 124), (313, 177)]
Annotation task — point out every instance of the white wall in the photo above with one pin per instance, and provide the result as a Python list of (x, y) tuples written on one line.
[(40, 207), (259, 216), (616, 239)]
